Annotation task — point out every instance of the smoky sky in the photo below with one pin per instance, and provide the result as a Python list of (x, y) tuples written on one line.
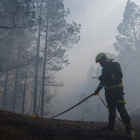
[(99, 20)]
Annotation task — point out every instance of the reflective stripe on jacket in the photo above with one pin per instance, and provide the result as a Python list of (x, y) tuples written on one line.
[(109, 87)]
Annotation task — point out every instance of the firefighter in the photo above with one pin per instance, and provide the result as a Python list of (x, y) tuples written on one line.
[(111, 80)]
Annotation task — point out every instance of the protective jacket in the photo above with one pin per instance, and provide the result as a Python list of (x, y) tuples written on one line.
[(113, 76)]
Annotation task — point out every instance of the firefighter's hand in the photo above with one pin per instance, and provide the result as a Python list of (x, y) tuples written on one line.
[(102, 78), (95, 93)]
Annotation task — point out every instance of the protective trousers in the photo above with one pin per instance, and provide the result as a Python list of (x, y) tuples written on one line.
[(115, 99)]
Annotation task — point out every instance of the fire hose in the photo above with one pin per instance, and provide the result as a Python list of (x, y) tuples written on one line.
[(102, 102)]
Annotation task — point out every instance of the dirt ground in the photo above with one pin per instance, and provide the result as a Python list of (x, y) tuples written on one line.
[(15, 126)]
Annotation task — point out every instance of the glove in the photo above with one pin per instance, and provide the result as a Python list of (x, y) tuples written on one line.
[(96, 91), (102, 78)]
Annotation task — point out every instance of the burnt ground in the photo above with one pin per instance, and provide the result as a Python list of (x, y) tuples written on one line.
[(15, 126)]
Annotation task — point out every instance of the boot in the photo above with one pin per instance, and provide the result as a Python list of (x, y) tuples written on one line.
[(130, 135), (109, 128)]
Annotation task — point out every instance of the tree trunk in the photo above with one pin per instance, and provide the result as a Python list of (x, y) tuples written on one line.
[(44, 68), (83, 111), (136, 40), (5, 91), (32, 97), (5, 85), (15, 87), (24, 92), (36, 69), (98, 112), (39, 102)]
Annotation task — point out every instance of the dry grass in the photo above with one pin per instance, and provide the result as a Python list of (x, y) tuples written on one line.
[(15, 126)]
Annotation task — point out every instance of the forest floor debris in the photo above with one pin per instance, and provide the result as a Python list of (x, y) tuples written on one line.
[(15, 126)]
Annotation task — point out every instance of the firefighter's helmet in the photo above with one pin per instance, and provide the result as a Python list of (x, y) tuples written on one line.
[(101, 57)]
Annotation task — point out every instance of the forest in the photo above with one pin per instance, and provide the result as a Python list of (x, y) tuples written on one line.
[(34, 39)]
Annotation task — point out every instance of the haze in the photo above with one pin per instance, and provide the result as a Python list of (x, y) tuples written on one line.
[(99, 20)]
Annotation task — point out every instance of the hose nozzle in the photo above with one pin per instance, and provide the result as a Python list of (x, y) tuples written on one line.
[(94, 77)]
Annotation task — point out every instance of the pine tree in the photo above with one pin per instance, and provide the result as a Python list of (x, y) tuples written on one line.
[(128, 46), (17, 14), (59, 37), (128, 40)]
